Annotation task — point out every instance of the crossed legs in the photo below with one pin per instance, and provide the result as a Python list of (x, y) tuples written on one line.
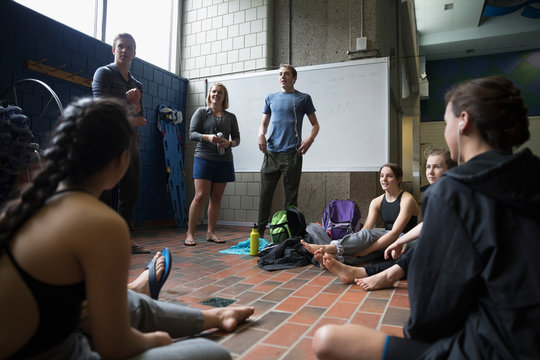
[(349, 274)]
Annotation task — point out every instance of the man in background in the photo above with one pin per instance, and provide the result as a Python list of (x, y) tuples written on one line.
[(283, 148), (115, 80)]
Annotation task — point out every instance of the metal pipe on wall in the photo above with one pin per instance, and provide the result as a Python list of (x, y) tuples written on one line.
[(289, 56), (361, 18)]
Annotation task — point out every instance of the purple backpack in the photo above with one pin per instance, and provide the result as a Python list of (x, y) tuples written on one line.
[(341, 217)]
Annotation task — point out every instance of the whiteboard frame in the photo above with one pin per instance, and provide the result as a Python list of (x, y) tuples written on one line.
[(272, 85)]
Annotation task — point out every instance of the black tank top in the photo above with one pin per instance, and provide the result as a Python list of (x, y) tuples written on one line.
[(390, 212), (59, 309)]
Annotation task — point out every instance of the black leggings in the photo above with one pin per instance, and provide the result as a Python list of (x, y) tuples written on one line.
[(403, 263)]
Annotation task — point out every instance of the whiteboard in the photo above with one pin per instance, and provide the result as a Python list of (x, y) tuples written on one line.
[(352, 106)]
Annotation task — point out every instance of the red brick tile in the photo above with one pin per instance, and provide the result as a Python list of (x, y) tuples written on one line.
[(187, 299), (283, 277), (381, 294), (248, 297), (266, 286), (322, 280), (263, 352), (401, 301), (374, 305), (303, 350), (307, 315), (286, 334), (323, 300), (308, 291), (242, 341), (335, 288), (395, 316), (261, 306), (206, 291), (271, 320), (354, 296), (255, 279), (294, 284), (252, 272), (367, 319), (235, 289), (292, 304), (278, 295), (342, 310)]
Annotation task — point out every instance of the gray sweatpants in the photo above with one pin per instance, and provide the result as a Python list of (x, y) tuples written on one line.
[(356, 242), (148, 315), (179, 321)]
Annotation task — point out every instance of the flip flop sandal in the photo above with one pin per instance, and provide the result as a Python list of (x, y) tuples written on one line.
[(190, 243), (154, 285), (217, 241)]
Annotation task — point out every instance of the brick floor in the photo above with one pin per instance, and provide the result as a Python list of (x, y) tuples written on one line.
[(290, 304)]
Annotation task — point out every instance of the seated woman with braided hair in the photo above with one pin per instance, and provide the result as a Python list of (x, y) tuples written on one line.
[(52, 258)]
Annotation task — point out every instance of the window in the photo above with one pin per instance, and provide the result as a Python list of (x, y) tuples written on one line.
[(153, 24)]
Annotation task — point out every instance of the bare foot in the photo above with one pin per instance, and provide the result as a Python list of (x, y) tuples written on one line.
[(383, 280), (318, 255), (330, 249), (226, 318), (140, 284), (347, 274)]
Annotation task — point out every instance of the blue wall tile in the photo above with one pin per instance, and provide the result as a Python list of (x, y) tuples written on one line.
[(523, 68), (37, 37)]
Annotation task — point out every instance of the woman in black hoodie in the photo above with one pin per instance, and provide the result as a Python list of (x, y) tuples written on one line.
[(474, 283)]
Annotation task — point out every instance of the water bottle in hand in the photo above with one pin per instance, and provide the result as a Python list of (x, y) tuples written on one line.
[(220, 150)]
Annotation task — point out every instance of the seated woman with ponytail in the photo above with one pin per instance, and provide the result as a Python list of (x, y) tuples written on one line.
[(473, 278), (60, 246)]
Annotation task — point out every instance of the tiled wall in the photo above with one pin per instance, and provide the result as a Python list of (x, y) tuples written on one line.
[(223, 37), (27, 35)]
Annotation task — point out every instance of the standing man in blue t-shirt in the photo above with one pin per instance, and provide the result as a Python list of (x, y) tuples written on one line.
[(115, 80), (283, 148)]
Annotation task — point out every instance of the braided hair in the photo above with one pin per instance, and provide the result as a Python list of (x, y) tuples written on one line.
[(89, 134), (495, 105)]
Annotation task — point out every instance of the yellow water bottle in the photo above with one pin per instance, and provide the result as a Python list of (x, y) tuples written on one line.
[(254, 241)]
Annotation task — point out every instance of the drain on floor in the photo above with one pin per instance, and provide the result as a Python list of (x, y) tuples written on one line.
[(218, 302)]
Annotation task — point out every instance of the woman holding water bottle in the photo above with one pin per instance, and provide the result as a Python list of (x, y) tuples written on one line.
[(216, 131)]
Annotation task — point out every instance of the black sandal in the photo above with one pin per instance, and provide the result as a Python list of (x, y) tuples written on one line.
[(137, 249)]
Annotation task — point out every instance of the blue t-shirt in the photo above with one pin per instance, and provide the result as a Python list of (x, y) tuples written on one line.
[(284, 136)]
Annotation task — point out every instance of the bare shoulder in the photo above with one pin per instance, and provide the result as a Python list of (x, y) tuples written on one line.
[(87, 217), (376, 202), (409, 201)]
